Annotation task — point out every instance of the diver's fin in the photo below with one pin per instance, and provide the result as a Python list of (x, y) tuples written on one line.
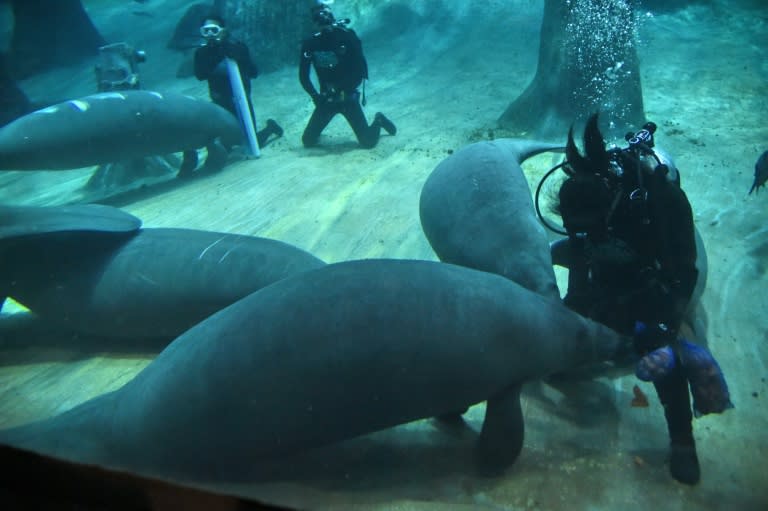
[(594, 145), (576, 162)]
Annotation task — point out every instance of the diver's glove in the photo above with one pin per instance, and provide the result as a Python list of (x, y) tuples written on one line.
[(229, 51), (705, 378), (650, 337), (319, 99), (656, 364)]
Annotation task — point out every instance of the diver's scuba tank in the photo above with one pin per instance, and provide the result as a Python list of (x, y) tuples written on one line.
[(651, 158)]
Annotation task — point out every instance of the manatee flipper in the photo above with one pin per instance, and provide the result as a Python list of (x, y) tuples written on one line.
[(216, 158), (27, 220), (452, 418), (188, 163), (501, 438)]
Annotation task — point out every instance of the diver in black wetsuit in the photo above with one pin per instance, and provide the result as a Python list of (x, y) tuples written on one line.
[(632, 257), (336, 54), (210, 66)]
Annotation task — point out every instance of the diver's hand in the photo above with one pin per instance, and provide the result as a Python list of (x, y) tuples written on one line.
[(656, 364), (215, 52), (319, 99), (648, 337), (229, 51)]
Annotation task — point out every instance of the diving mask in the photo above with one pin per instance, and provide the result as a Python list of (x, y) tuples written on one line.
[(211, 31)]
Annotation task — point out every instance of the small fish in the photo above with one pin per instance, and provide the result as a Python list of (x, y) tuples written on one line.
[(761, 172), (141, 1)]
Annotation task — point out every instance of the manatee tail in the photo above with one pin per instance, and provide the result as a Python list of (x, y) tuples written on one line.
[(524, 149), (26, 220)]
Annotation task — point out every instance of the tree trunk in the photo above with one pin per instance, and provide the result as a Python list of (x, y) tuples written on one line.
[(272, 30), (48, 33), (587, 63)]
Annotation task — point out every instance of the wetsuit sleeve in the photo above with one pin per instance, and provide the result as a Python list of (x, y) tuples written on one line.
[(362, 63), (305, 60), (677, 252), (206, 59), (239, 52)]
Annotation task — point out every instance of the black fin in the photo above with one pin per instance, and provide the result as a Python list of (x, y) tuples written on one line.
[(576, 162), (594, 145)]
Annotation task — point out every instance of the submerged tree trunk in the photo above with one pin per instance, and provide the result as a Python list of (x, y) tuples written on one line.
[(48, 33), (587, 63), (272, 30)]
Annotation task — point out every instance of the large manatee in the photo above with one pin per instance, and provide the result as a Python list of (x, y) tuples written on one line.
[(75, 272), (324, 356)]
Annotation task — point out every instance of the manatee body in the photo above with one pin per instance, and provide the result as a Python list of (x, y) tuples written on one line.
[(148, 283), (324, 356), (476, 211), (113, 126)]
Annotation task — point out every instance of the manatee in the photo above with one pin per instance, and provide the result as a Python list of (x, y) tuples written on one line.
[(150, 283), (476, 211), (114, 126), (324, 356)]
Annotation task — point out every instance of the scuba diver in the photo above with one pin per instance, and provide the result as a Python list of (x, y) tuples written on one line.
[(118, 67), (631, 259), (209, 64), (336, 54)]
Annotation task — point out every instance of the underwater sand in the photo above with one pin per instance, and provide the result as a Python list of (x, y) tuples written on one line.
[(705, 79)]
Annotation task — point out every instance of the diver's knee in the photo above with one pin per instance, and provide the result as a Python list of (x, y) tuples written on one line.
[(309, 140), (368, 142)]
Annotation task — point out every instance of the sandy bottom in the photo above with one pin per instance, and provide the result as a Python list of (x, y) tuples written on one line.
[(705, 72)]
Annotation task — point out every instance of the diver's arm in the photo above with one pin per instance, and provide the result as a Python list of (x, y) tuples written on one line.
[(581, 293), (305, 60), (357, 47), (364, 70), (242, 56), (677, 254), (206, 59)]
